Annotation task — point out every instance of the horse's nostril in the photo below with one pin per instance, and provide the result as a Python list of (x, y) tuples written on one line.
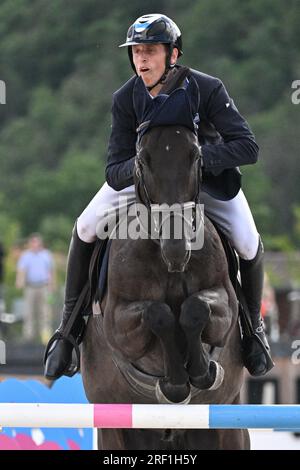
[(176, 269)]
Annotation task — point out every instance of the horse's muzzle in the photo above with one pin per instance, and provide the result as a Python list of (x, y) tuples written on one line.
[(176, 254)]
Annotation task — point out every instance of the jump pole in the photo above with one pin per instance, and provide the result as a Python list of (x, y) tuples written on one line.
[(60, 415)]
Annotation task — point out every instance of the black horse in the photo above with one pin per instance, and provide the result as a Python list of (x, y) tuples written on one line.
[(169, 331)]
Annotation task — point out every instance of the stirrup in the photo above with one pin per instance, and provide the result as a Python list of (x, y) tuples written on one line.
[(254, 346), (72, 369)]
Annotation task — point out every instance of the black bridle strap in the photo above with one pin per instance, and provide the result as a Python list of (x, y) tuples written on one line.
[(141, 127), (142, 185), (198, 180)]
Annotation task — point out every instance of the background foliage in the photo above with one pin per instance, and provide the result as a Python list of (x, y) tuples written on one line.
[(61, 63)]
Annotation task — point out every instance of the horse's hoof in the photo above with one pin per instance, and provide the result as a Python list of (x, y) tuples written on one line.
[(211, 380), (162, 399)]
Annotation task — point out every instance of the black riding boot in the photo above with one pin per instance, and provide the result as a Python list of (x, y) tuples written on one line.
[(256, 350), (58, 356)]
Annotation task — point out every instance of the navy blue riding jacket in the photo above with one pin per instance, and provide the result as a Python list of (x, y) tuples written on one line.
[(224, 135)]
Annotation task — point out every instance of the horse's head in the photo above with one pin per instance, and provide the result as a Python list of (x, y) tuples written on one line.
[(168, 170)]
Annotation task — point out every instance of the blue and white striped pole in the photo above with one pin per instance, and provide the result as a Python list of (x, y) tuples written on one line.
[(283, 417)]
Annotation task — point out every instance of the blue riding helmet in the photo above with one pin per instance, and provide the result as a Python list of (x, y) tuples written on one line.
[(154, 29)]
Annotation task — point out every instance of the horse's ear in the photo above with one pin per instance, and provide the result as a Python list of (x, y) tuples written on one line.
[(193, 93), (142, 100)]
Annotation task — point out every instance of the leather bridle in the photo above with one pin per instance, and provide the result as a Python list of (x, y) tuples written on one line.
[(155, 209)]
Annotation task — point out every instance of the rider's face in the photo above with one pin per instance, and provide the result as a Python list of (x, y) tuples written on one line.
[(150, 61)]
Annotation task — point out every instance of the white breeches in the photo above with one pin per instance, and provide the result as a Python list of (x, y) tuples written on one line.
[(233, 217)]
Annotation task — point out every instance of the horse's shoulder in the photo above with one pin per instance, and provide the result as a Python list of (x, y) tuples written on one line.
[(138, 255), (136, 270)]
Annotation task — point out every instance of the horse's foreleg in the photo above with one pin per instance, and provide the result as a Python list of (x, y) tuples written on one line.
[(193, 319), (205, 316), (222, 316), (161, 321), (131, 331)]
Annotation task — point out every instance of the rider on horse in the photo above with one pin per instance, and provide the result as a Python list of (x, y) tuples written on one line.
[(154, 44)]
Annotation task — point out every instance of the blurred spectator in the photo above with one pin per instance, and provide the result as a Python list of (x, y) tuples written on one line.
[(293, 323), (269, 310), (36, 276)]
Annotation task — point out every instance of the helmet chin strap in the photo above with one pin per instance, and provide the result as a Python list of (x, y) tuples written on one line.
[(160, 80), (169, 66)]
